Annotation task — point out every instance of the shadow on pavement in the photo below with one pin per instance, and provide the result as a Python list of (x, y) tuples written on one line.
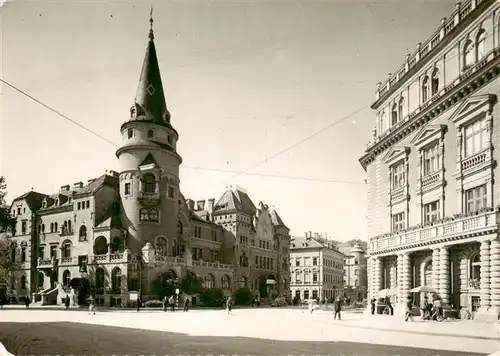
[(83, 339)]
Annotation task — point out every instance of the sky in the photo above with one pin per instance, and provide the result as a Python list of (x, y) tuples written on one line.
[(249, 86)]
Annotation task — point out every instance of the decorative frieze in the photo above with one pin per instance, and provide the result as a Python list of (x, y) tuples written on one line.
[(444, 275), (484, 255), (495, 275)]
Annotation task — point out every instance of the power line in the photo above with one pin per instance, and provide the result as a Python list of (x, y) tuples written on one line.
[(183, 166)]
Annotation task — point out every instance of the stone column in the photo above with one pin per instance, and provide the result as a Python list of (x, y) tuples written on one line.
[(406, 275), (400, 278), (369, 279), (495, 276), (444, 275), (463, 272), (484, 288), (377, 280), (435, 270), (393, 278)]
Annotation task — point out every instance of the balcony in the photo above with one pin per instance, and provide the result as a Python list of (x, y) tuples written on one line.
[(149, 199), (450, 229), (167, 260), (213, 265), (68, 261), (47, 263), (109, 258), (476, 161), (66, 232)]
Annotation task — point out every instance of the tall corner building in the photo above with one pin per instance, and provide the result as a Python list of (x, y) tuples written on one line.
[(431, 167), (126, 232)]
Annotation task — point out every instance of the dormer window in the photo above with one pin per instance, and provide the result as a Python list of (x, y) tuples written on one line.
[(130, 133), (150, 134)]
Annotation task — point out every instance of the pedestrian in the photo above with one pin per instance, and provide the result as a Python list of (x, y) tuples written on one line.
[(229, 304), (66, 301), (408, 311), (337, 307), (139, 303), (91, 306), (186, 304), (27, 302), (372, 304), (171, 302), (164, 303)]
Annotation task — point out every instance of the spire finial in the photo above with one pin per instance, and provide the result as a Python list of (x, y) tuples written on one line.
[(151, 34)]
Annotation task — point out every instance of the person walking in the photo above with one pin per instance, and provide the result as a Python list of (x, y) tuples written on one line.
[(164, 303), (66, 302), (91, 306), (408, 311), (139, 303), (229, 304), (27, 302), (186, 304), (171, 302), (372, 304), (337, 307)]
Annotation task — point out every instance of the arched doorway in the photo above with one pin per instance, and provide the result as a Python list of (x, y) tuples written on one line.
[(66, 278), (164, 284), (116, 281), (100, 246), (82, 287)]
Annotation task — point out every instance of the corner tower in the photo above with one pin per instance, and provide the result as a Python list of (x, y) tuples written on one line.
[(149, 162)]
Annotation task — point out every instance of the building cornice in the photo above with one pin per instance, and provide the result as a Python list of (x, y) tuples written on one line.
[(467, 83)]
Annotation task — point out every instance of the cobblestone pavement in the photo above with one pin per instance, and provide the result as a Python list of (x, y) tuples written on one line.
[(286, 325)]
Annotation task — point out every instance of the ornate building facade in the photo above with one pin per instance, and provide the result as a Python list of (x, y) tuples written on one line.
[(124, 230), (316, 268), (355, 273), (432, 170)]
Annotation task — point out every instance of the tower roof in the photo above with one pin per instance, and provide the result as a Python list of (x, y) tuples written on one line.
[(150, 102)]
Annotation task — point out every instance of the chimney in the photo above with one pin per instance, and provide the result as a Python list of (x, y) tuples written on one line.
[(200, 205), (190, 204), (65, 188), (316, 235), (211, 204), (310, 234), (77, 185)]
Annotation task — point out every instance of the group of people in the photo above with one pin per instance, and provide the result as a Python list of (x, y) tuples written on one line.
[(429, 311)]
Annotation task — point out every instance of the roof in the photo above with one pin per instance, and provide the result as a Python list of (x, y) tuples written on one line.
[(111, 218), (235, 200), (276, 219), (33, 199), (104, 180), (301, 242), (150, 98), (149, 160)]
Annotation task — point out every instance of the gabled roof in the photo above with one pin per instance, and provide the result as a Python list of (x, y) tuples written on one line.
[(276, 219), (33, 199), (104, 180), (149, 160), (235, 200)]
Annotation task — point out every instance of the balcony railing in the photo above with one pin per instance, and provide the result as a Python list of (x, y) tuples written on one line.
[(169, 260), (451, 227), (47, 263), (215, 265), (431, 178), (109, 258), (476, 160), (149, 198)]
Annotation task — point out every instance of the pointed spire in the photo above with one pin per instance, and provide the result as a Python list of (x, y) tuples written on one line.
[(150, 102)]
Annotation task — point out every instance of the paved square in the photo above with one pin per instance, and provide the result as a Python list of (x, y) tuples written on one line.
[(243, 332)]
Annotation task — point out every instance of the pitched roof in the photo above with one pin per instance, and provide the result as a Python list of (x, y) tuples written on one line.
[(104, 180), (33, 199), (301, 242), (110, 218), (150, 97), (235, 200), (276, 219)]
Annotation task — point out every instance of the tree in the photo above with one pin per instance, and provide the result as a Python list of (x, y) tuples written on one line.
[(191, 284), (164, 285), (212, 297), (243, 296), (7, 222)]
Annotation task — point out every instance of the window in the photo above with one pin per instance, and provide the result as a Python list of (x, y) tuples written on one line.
[(197, 232), (23, 227), (149, 215), (87, 204), (425, 89), (83, 233), (149, 183), (398, 221), (315, 294), (161, 246), (51, 227), (23, 254), (79, 205), (209, 282), (82, 263), (130, 133), (66, 250), (41, 251), (435, 82), (481, 48), (431, 212), (315, 261), (18, 211), (225, 282), (214, 235), (401, 106), (431, 159), (297, 262), (70, 229), (468, 54), (475, 199), (170, 191), (66, 278), (398, 176), (116, 280), (315, 277), (40, 279), (56, 228), (475, 267), (475, 138), (127, 188), (150, 134), (53, 252), (394, 114)]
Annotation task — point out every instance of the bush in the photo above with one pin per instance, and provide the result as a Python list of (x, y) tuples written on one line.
[(243, 296), (153, 304), (212, 297)]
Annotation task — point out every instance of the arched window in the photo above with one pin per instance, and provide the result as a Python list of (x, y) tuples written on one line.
[(100, 246), (209, 281), (51, 227), (83, 233), (150, 134), (468, 54), (149, 183), (475, 267), (116, 281), (66, 278), (153, 215), (425, 89), (161, 246), (481, 45), (401, 105), (66, 249), (394, 114), (143, 214), (99, 281), (435, 82), (225, 282), (23, 282)]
